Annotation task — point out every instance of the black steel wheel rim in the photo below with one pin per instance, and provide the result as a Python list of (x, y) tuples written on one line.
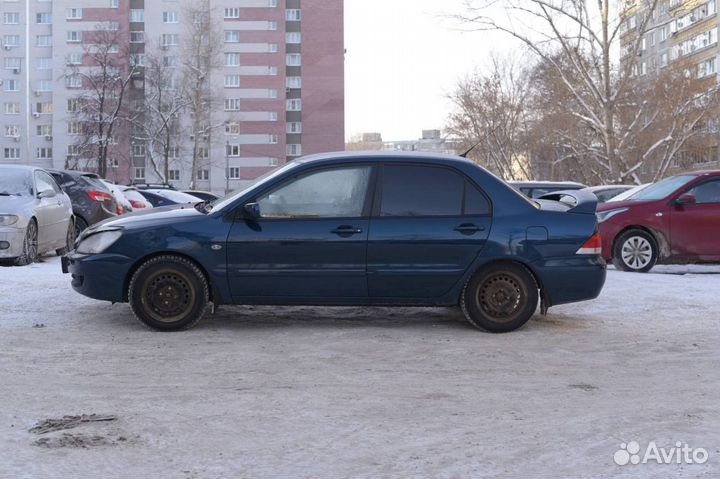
[(168, 296), (501, 297)]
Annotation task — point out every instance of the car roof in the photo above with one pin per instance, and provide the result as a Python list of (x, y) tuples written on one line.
[(609, 187), (22, 167), (540, 184), (383, 156), (75, 173)]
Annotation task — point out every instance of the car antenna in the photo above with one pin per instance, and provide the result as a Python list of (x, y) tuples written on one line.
[(466, 153)]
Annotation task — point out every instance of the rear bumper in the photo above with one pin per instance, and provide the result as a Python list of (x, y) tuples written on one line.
[(570, 280), (14, 238), (100, 276)]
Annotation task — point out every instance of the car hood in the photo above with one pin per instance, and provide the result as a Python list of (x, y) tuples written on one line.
[(150, 217), (13, 205), (613, 205)]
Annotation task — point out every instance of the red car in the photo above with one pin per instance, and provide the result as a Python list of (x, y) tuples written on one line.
[(676, 220)]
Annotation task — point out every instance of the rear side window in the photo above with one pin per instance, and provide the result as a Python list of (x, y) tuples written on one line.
[(428, 191)]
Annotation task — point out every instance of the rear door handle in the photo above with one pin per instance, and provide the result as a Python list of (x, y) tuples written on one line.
[(469, 228), (346, 230)]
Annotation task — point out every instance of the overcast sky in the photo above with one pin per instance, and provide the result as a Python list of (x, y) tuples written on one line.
[(403, 58)]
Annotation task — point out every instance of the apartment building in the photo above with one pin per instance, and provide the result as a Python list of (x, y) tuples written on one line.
[(682, 35), (275, 84)]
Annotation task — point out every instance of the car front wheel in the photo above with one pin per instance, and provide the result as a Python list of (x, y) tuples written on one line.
[(30, 245), (635, 250), (169, 293), (500, 298)]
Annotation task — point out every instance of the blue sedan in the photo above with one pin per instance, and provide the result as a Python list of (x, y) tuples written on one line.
[(350, 229)]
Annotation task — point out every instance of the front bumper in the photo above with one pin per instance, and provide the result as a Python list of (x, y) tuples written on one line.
[(98, 276), (14, 237)]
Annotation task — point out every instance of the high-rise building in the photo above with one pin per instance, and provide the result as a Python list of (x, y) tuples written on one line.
[(272, 86)]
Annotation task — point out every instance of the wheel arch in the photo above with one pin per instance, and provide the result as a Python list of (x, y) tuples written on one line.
[(515, 261), (662, 243), (215, 295)]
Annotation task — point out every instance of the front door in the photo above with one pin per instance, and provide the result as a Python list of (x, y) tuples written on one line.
[(309, 243), (428, 226), (52, 214), (694, 228)]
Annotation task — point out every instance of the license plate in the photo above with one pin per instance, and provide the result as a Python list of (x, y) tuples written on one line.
[(64, 261)]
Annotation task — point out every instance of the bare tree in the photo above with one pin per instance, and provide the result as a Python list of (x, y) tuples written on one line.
[(200, 57), (104, 79), (365, 142), (490, 111), (584, 35)]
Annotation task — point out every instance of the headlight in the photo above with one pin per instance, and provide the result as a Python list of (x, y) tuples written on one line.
[(7, 220), (98, 242), (606, 215)]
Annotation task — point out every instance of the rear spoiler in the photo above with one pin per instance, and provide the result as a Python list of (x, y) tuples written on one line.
[(585, 201)]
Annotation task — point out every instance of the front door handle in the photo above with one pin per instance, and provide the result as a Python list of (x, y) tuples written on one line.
[(469, 228), (346, 230)]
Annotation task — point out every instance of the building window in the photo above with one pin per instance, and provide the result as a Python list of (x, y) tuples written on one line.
[(11, 85), (294, 127), (168, 39), (293, 37), (272, 26), (44, 63), (139, 173), (43, 40), (44, 153), (232, 59), (292, 15), (232, 36), (273, 116), (11, 40), (74, 128), (233, 173), (12, 63), (11, 18), (12, 108), (294, 104), (232, 150), (171, 17), (138, 150), (294, 149), (44, 85), (137, 37), (12, 131), (114, 3), (74, 59), (73, 150), (137, 15), (44, 18), (293, 82), (232, 128), (293, 59), (44, 130), (203, 152), (74, 36), (232, 81), (73, 81), (233, 12), (203, 175), (706, 68), (173, 175), (11, 153), (137, 59), (44, 108), (171, 61), (232, 104), (73, 13)]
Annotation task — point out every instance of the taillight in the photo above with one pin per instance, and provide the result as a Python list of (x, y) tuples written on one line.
[(137, 204), (119, 209), (99, 196), (592, 246)]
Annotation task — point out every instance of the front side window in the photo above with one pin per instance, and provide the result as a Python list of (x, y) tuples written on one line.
[(708, 192), (336, 193)]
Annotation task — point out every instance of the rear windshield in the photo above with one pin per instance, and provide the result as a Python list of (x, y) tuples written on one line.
[(662, 189), (177, 196), (15, 182), (134, 195)]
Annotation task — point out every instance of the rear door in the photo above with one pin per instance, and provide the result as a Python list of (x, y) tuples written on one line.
[(694, 228), (429, 223)]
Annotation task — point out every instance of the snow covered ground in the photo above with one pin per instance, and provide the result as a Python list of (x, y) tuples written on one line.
[(360, 392)]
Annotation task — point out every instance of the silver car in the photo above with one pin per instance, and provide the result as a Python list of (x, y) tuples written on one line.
[(35, 215)]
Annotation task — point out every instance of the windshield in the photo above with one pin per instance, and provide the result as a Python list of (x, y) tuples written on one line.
[(15, 182), (662, 189), (221, 203)]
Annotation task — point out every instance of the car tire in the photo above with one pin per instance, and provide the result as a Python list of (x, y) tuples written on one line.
[(80, 226), (30, 245), (69, 239), (500, 298), (169, 293), (636, 251)]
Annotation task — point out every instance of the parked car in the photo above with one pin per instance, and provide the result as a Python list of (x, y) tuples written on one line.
[(123, 204), (675, 220), (165, 197), (350, 229), (607, 192), (136, 199), (92, 201), (535, 189), (629, 193), (36, 216), (203, 195)]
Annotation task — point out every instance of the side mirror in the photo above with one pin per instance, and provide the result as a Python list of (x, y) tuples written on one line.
[(686, 199), (251, 210), (46, 194)]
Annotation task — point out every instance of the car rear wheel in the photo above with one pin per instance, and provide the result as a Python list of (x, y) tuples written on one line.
[(635, 250), (30, 245), (69, 239), (169, 293), (500, 298)]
